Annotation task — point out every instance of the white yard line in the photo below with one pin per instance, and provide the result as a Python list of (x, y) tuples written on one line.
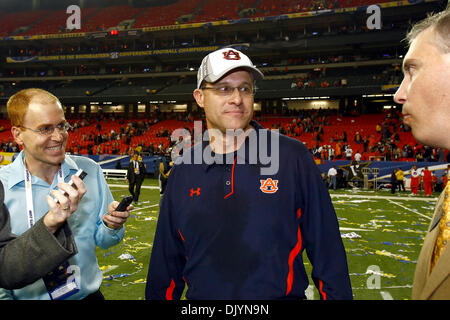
[(126, 186), (354, 229), (390, 199), (414, 211), (414, 198), (142, 208)]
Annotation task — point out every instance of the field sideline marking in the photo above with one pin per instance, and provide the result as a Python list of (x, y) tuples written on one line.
[(389, 198), (354, 229), (146, 207), (406, 208), (386, 295), (381, 197), (126, 186)]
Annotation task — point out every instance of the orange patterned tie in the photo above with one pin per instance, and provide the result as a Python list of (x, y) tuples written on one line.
[(444, 227)]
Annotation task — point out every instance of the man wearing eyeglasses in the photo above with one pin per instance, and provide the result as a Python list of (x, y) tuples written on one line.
[(37, 191), (228, 228)]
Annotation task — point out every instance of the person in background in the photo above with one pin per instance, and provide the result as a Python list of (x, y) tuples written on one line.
[(393, 181), (415, 179), (427, 182), (164, 171), (135, 176), (332, 176), (400, 182)]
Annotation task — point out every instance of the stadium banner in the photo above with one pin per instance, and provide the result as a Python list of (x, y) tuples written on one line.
[(110, 55), (47, 36), (21, 59)]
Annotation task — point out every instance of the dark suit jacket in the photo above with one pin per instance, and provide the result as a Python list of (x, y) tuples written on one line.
[(29, 257), (131, 176), (434, 285)]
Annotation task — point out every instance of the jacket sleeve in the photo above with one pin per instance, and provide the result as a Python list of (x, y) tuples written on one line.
[(321, 235), (27, 258), (129, 172), (167, 261), (105, 237)]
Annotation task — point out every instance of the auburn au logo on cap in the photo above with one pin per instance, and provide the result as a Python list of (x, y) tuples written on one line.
[(231, 55), (269, 185)]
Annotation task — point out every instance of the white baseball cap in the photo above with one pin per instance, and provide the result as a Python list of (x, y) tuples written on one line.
[(218, 63)]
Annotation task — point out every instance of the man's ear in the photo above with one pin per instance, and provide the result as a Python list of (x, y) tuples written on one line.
[(17, 135), (198, 95)]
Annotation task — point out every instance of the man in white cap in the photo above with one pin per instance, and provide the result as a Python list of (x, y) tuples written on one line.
[(231, 229), (220, 74)]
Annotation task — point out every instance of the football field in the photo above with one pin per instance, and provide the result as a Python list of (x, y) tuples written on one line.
[(382, 235)]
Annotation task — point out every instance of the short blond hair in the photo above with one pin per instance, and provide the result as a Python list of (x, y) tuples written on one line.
[(17, 105), (440, 24)]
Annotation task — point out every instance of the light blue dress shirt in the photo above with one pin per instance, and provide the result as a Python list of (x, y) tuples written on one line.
[(86, 223)]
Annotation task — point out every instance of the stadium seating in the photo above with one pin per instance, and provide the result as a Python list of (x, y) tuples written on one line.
[(12, 21), (109, 17), (187, 11), (364, 124), (228, 10), (166, 15)]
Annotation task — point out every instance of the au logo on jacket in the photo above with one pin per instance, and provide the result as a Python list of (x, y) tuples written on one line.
[(268, 185)]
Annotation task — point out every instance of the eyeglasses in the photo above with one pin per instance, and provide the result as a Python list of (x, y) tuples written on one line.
[(48, 130), (225, 90)]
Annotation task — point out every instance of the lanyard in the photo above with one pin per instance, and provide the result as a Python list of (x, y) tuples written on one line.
[(29, 194)]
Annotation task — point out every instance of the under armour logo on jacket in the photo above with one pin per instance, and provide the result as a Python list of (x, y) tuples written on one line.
[(196, 192)]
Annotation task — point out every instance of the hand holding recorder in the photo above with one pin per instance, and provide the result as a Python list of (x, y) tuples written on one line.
[(65, 201)]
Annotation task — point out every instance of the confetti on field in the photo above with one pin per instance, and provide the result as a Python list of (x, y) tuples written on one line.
[(139, 281), (380, 273), (392, 255), (350, 235), (126, 256), (116, 276), (108, 268)]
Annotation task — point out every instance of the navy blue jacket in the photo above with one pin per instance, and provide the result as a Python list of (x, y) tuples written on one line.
[(229, 232)]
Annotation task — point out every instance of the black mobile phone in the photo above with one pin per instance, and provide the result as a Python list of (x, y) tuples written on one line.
[(124, 203), (81, 174)]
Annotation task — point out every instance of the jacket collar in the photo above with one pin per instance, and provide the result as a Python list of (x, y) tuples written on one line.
[(242, 154)]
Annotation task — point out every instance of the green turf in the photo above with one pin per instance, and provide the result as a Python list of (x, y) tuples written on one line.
[(126, 278), (388, 235)]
